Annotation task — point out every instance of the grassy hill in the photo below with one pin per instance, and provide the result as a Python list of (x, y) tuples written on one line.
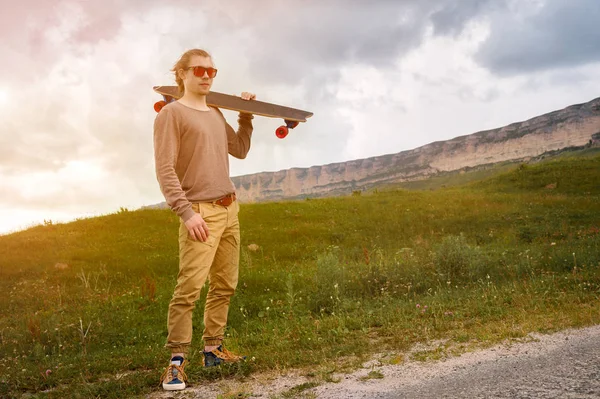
[(467, 259), (485, 172)]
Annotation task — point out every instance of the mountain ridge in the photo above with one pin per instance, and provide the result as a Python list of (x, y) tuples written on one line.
[(573, 126)]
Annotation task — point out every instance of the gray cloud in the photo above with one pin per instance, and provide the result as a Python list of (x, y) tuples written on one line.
[(289, 45), (454, 14), (562, 33), (286, 42)]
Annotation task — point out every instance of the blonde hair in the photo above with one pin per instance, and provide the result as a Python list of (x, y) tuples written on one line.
[(184, 62)]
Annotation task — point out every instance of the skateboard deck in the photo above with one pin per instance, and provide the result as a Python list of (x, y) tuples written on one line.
[(291, 116)]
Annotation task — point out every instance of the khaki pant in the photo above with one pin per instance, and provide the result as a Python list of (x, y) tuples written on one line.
[(218, 259)]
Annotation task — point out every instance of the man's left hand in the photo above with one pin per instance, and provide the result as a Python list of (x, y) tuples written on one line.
[(248, 96)]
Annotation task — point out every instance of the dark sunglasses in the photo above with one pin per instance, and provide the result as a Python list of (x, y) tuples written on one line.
[(200, 70)]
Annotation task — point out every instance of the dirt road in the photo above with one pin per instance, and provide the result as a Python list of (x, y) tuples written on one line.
[(561, 365)]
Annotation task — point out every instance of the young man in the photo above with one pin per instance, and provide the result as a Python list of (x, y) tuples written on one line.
[(191, 146)]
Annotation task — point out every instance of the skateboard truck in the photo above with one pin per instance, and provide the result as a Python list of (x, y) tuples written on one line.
[(283, 131), (160, 104)]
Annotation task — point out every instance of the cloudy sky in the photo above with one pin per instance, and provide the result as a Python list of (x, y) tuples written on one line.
[(381, 77)]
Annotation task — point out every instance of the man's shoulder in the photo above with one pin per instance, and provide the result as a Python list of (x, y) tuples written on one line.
[(173, 106), (215, 110)]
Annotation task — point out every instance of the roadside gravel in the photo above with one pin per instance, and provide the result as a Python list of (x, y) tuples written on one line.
[(560, 365)]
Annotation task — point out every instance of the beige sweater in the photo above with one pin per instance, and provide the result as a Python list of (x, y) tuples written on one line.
[(190, 152)]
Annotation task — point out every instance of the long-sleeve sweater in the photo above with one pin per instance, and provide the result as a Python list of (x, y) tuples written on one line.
[(190, 152)]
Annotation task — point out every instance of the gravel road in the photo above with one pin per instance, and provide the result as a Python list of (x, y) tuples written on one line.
[(560, 365)]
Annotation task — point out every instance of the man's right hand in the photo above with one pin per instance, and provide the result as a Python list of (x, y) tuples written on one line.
[(197, 228)]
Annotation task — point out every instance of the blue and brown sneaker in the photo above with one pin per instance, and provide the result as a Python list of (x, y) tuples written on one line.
[(219, 356), (174, 378)]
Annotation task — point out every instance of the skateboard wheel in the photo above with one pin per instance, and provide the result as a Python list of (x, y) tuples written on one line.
[(281, 132), (159, 105), (292, 124)]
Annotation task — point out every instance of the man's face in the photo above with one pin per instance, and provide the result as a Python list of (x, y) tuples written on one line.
[(197, 84)]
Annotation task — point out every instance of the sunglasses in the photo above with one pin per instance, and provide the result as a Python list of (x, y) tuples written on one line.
[(200, 71)]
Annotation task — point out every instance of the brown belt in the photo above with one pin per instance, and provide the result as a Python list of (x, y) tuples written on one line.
[(225, 201)]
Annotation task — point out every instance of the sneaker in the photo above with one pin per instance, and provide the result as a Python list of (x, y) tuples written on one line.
[(174, 378), (219, 356)]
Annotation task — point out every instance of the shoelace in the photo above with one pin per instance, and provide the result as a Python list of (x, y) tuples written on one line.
[(226, 355), (169, 373)]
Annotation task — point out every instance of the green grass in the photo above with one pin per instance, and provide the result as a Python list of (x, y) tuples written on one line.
[(333, 278), (470, 175)]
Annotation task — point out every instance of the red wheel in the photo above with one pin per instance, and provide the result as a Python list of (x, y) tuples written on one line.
[(159, 105), (281, 132), (292, 125)]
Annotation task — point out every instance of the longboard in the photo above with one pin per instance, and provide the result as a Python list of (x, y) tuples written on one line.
[(291, 116)]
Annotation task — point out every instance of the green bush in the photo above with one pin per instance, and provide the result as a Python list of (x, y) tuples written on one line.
[(454, 258), (328, 282)]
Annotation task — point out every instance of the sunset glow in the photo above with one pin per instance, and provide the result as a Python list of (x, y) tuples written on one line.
[(3, 96)]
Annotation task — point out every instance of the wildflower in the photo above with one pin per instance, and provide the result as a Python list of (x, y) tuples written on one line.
[(418, 306), (48, 372)]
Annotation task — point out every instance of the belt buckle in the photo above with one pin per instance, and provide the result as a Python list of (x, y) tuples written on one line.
[(226, 200)]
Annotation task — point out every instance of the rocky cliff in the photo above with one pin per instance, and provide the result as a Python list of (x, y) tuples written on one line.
[(574, 126)]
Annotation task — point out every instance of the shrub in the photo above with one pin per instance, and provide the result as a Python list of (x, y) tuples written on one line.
[(453, 257), (328, 282)]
